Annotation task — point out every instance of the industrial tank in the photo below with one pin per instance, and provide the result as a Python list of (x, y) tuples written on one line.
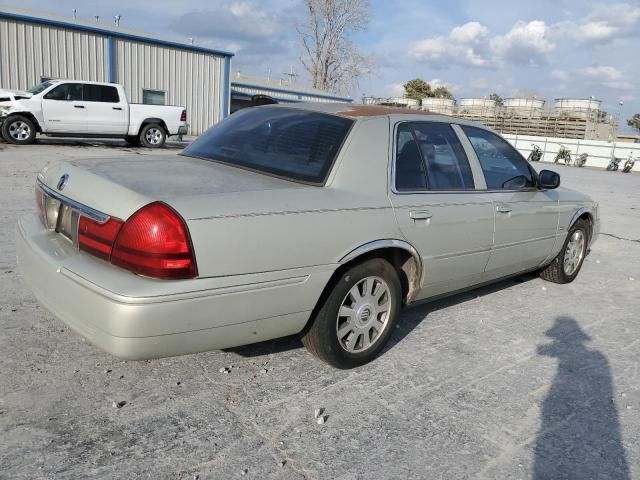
[(577, 107), (438, 105)]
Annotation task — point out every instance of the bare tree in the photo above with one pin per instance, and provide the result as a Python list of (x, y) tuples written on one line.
[(329, 55)]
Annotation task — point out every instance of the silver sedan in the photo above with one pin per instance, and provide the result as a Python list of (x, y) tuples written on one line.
[(320, 220)]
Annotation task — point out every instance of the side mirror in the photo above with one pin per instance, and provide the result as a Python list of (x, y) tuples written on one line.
[(548, 179)]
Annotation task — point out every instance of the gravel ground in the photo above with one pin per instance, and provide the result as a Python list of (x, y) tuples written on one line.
[(523, 379)]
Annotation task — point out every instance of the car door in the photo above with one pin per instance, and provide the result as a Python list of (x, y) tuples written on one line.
[(64, 110), (526, 216), (437, 206), (107, 113)]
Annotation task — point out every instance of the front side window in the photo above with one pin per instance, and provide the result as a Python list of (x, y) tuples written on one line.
[(41, 87), (503, 167), (69, 92), (101, 93), (429, 156), (296, 144)]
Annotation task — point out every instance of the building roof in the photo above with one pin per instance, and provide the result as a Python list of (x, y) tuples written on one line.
[(30, 16), (281, 86), (351, 110)]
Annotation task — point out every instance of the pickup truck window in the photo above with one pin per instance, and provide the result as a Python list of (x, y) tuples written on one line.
[(100, 93), (70, 92), (41, 87), (295, 144)]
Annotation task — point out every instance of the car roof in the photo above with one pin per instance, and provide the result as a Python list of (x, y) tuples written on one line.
[(361, 112)]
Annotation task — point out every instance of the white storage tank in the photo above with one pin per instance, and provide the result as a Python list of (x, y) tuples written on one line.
[(531, 107), (477, 106), (577, 107), (438, 105)]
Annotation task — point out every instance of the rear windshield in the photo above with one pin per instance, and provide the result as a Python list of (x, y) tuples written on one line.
[(296, 144)]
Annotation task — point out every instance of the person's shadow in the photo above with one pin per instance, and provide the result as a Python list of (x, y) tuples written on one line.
[(580, 433)]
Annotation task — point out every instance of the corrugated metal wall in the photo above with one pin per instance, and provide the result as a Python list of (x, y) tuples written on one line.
[(282, 94), (29, 51), (189, 78)]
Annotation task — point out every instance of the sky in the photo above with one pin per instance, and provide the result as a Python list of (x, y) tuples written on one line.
[(553, 48)]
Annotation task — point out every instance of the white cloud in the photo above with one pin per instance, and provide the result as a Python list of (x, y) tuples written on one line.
[(524, 43), (394, 90), (464, 45), (608, 76), (605, 23)]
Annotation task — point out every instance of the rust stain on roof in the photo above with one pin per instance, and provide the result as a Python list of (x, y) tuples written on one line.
[(357, 111)]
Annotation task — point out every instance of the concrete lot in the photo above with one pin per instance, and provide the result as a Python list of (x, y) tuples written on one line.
[(524, 379)]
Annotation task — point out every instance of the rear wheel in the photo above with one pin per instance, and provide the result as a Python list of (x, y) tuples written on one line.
[(18, 130), (153, 135), (565, 267), (357, 317)]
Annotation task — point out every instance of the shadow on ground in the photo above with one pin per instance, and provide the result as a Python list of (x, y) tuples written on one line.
[(579, 436)]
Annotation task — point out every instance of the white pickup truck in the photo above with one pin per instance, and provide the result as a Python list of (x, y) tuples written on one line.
[(69, 108)]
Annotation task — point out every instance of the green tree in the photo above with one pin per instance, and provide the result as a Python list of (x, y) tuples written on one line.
[(497, 98), (634, 122), (442, 92), (417, 88)]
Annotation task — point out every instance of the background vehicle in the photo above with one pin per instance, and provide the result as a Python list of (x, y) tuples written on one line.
[(285, 220), (536, 153), (66, 108), (581, 160), (628, 164), (614, 164), (563, 154)]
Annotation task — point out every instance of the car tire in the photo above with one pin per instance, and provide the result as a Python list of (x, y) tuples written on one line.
[(153, 135), (371, 294), (566, 266), (18, 130)]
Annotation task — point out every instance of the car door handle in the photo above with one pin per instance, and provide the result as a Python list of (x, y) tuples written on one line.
[(117, 108), (78, 106), (503, 208), (420, 214)]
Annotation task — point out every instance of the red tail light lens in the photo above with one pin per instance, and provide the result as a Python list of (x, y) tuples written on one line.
[(97, 238), (155, 242), (183, 116)]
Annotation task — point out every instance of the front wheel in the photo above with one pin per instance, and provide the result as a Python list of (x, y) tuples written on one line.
[(565, 267), (18, 130), (153, 135), (358, 315)]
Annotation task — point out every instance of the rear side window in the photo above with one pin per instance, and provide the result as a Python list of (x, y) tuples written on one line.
[(429, 156), (296, 144), (69, 92), (503, 167), (101, 93)]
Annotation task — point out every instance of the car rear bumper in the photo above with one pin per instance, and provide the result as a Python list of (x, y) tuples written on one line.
[(83, 292)]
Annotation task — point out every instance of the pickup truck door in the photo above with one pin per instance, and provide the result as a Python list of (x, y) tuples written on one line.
[(107, 110), (437, 206), (526, 217), (64, 110)]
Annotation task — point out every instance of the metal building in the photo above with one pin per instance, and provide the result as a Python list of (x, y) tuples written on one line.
[(152, 69), (245, 88)]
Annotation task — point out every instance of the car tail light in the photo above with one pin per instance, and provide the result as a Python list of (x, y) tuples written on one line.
[(183, 116), (98, 238), (155, 242)]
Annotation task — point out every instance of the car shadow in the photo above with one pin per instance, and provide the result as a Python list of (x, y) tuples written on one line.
[(579, 435), (409, 319)]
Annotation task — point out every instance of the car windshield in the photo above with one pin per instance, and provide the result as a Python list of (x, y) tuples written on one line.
[(295, 144), (36, 89)]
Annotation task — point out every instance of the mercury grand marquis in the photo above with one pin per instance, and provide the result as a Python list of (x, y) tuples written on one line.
[(320, 220)]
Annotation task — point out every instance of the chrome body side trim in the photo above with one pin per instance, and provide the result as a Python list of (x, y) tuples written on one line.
[(78, 207)]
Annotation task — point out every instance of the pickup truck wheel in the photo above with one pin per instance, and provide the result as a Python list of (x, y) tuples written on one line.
[(18, 130), (153, 136), (357, 317), (565, 267)]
